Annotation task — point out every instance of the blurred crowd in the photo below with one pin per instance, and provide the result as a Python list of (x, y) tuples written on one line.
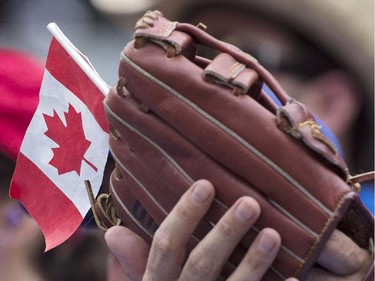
[(321, 51)]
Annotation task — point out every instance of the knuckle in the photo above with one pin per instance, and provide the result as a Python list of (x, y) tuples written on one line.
[(184, 213), (259, 262), (226, 229), (162, 243), (200, 264)]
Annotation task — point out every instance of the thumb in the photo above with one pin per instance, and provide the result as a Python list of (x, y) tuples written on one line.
[(341, 255), (130, 251)]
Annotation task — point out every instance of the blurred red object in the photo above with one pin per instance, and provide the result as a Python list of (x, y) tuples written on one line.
[(20, 80)]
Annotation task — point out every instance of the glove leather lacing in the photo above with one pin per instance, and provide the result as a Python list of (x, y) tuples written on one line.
[(103, 209)]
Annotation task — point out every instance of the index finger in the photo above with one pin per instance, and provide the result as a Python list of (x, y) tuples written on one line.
[(169, 243)]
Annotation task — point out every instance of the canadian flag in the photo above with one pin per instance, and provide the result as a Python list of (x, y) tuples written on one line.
[(65, 144)]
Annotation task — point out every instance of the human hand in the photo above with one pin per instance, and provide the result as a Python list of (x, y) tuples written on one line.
[(20, 241), (134, 260), (342, 260), (20, 236)]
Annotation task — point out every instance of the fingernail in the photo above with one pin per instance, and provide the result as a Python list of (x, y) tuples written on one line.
[(200, 193), (244, 211), (266, 242)]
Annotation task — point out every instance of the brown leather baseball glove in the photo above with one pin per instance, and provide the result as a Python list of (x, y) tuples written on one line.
[(176, 117)]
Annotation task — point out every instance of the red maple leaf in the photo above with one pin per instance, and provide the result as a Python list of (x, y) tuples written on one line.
[(71, 140)]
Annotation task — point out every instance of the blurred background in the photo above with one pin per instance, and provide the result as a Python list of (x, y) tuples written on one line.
[(321, 51), (23, 26)]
